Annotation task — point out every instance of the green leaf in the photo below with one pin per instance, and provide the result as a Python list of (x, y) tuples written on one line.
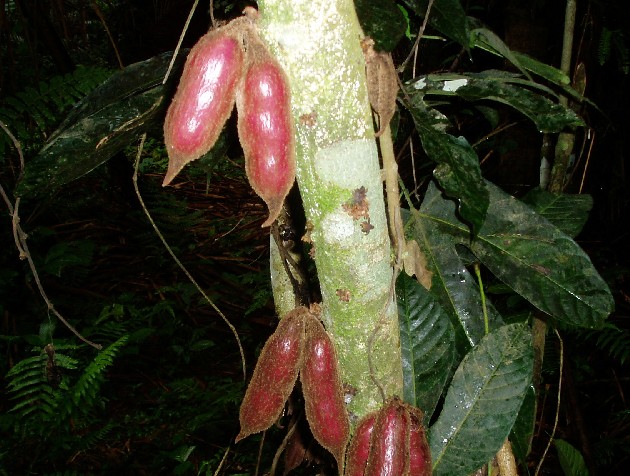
[(383, 21), (106, 121), (490, 41), (446, 16), (427, 344), (523, 429), (482, 401), (458, 166), (526, 97), (452, 285), (530, 255), (543, 70), (567, 212), (571, 460)]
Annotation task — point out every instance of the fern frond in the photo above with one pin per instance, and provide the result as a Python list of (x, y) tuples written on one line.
[(94, 437), (85, 390)]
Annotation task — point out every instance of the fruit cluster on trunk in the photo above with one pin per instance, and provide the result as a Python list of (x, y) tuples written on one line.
[(232, 65), (300, 345), (390, 442)]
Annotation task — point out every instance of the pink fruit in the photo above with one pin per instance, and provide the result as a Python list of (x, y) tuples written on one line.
[(204, 98), (419, 451), (389, 450), (274, 376), (323, 394), (265, 127), (359, 448)]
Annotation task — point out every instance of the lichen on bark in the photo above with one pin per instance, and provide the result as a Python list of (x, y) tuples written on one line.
[(318, 44)]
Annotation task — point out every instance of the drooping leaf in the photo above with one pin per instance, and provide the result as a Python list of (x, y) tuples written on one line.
[(106, 121), (523, 429), (427, 344), (530, 255), (541, 69), (482, 401), (446, 16), (524, 96), (567, 212), (383, 21), (571, 460), (458, 169), (490, 41), (452, 284)]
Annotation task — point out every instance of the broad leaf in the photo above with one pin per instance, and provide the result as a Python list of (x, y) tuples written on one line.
[(530, 255), (567, 212), (446, 16), (106, 121), (524, 96), (482, 401), (383, 21), (571, 460), (452, 285), (458, 169), (427, 344)]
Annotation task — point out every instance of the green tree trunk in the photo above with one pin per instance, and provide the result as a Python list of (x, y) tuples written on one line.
[(318, 44)]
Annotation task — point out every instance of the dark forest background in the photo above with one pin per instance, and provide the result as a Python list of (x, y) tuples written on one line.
[(163, 396)]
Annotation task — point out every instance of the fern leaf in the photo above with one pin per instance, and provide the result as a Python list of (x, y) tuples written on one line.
[(86, 389)]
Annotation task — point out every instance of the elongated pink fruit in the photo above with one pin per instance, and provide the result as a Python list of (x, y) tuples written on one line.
[(359, 448), (204, 98), (274, 376), (323, 393), (389, 449), (265, 128), (419, 451)]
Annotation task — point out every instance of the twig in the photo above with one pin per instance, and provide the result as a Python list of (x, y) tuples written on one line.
[(101, 17), (414, 50), (180, 41), (283, 445), (218, 470), (20, 243), (260, 450), (555, 423), (176, 259), (212, 19)]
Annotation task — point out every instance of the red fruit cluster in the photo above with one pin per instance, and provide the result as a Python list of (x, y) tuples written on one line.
[(390, 442), (299, 345), (231, 64)]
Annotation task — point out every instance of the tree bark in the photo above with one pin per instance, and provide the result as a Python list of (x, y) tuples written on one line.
[(317, 42)]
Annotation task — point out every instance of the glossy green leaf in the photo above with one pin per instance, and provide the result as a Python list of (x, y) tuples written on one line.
[(523, 429), (452, 285), (427, 345), (446, 16), (458, 169), (530, 255), (106, 121), (482, 401), (383, 21), (567, 212), (571, 460), (524, 96), (541, 69)]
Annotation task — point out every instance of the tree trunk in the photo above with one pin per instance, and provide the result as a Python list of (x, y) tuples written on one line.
[(318, 44)]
